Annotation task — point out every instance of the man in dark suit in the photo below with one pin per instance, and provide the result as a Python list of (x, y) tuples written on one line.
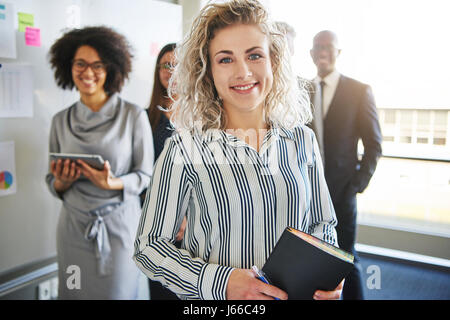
[(344, 112)]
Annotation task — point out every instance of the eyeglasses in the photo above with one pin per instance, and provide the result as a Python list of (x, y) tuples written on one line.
[(80, 66), (166, 66)]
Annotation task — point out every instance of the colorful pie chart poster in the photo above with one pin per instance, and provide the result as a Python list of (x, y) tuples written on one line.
[(8, 181)]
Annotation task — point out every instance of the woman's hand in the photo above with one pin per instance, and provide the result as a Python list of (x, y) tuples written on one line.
[(65, 173), (329, 295), (101, 178), (243, 285)]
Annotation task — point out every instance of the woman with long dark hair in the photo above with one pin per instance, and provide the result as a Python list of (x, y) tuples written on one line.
[(160, 102)]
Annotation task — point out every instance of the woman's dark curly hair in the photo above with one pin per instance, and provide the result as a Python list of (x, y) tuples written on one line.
[(112, 47)]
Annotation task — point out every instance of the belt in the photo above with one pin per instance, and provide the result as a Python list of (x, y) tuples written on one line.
[(96, 230)]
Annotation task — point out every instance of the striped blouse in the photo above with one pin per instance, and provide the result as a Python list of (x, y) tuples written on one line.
[(237, 201)]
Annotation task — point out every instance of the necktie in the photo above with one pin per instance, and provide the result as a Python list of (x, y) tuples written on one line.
[(322, 104), (318, 116)]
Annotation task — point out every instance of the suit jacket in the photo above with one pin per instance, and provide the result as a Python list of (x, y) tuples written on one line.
[(352, 115)]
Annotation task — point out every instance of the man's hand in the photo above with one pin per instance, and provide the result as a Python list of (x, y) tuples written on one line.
[(243, 285)]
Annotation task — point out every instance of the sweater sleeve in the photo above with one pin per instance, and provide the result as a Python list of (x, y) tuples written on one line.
[(53, 147), (138, 178)]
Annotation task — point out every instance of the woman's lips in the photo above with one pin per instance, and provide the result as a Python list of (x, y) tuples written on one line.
[(244, 88), (88, 82)]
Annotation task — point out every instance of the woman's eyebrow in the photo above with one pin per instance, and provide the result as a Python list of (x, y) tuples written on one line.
[(231, 52), (224, 52), (252, 48)]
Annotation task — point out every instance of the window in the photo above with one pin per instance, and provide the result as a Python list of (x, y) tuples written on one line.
[(389, 117), (423, 126), (440, 128), (406, 123), (422, 140)]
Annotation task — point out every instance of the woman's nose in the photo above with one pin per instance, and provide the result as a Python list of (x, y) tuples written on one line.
[(242, 70), (88, 71)]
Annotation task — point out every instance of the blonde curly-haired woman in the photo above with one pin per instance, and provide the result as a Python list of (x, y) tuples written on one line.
[(242, 166)]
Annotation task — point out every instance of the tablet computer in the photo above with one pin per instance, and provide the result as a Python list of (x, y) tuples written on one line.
[(94, 160)]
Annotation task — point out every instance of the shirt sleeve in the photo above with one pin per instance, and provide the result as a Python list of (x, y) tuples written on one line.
[(53, 147), (323, 217), (138, 178), (166, 204)]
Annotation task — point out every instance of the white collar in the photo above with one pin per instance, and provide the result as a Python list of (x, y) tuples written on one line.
[(331, 79)]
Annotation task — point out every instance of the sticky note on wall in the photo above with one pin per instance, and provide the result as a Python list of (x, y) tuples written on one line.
[(25, 20), (33, 37)]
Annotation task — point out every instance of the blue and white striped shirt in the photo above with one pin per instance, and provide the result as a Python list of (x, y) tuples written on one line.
[(237, 201)]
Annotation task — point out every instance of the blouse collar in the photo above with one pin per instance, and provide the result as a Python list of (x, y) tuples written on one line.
[(107, 110)]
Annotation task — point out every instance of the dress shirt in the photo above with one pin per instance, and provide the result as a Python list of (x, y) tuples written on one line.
[(237, 201), (331, 82)]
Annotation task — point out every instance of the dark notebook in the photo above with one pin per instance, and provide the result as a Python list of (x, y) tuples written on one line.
[(300, 264)]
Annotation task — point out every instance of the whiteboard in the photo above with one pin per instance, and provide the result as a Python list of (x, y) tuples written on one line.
[(28, 218)]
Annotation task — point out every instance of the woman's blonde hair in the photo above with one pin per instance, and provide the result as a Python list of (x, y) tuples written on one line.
[(198, 105)]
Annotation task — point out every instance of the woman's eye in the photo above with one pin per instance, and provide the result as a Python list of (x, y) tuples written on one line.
[(98, 66), (225, 60), (254, 56)]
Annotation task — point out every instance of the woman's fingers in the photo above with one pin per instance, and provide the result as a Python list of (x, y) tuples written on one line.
[(97, 177), (242, 285), (74, 171), (329, 295), (86, 170), (272, 292), (53, 167), (107, 166), (58, 168), (66, 168)]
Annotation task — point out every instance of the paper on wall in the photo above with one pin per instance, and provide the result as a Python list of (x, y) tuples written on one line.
[(16, 91), (7, 32), (8, 178)]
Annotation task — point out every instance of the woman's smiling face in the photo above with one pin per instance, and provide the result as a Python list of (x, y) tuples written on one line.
[(91, 80), (241, 67)]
